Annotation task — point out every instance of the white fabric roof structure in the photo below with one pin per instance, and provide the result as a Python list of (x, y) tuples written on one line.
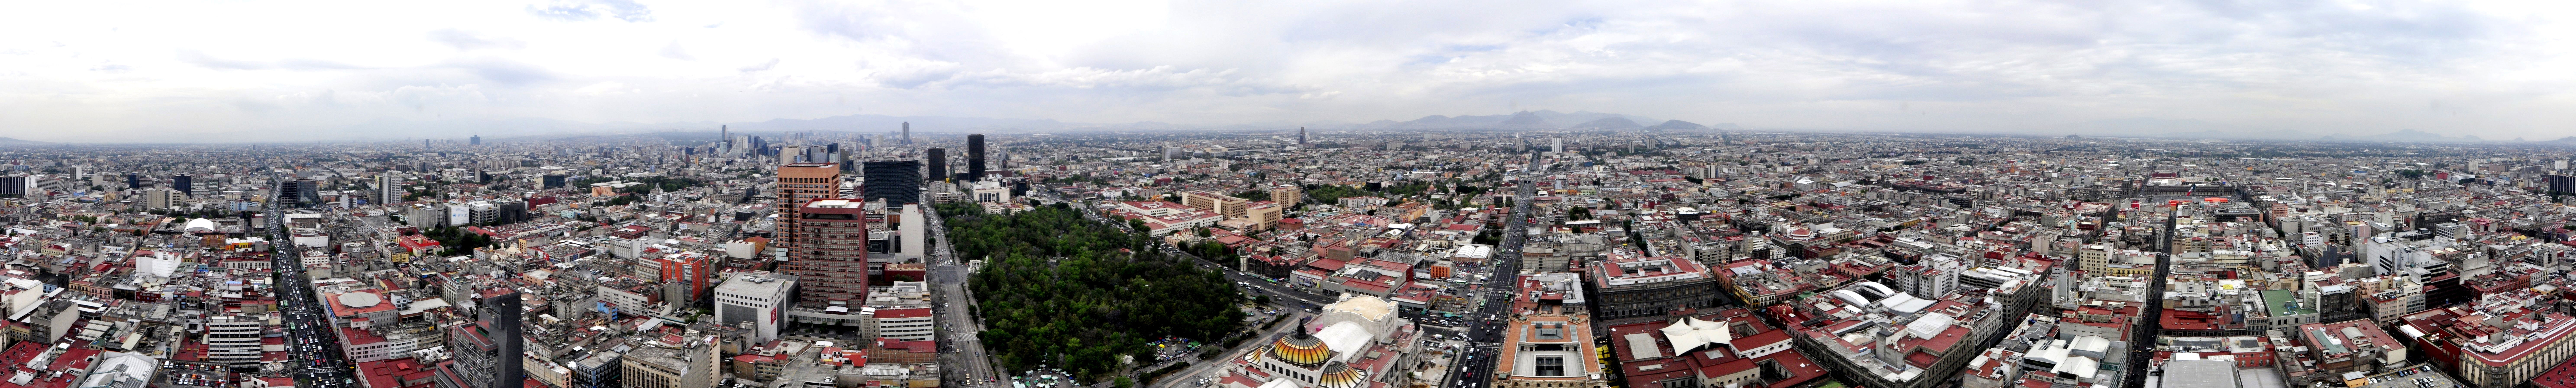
[(1853, 298), (1929, 325), (1368, 307), (2080, 367), (1690, 333), (2090, 343), (1347, 339), (1906, 304), (2054, 351)]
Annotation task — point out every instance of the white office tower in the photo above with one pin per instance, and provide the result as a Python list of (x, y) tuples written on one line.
[(233, 340), (164, 199), (755, 300), (913, 233), (1558, 147), (386, 190)]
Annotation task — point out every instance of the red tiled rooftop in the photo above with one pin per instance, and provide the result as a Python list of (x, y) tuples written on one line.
[(915, 312)]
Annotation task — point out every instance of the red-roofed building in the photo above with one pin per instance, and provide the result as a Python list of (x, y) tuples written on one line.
[(1629, 288), (396, 373), (2495, 344), (1730, 348), (895, 351)]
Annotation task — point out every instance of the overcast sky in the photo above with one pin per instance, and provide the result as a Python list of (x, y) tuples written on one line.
[(90, 71)]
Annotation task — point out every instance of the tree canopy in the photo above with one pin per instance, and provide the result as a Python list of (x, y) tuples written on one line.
[(1069, 292)]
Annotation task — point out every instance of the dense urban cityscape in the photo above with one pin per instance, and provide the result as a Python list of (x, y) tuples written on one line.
[(1599, 255), (1306, 194)]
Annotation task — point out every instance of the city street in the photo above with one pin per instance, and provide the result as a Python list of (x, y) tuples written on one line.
[(973, 368), (310, 337), (1485, 330)]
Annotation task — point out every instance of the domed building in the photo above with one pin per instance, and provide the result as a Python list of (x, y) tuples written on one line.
[(1358, 342)]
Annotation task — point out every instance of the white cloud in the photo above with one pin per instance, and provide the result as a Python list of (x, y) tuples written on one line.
[(220, 71)]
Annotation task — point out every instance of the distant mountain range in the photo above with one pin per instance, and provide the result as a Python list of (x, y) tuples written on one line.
[(2196, 129), (11, 141), (1534, 120)]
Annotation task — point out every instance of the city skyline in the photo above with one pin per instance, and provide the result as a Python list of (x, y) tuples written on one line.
[(187, 72)]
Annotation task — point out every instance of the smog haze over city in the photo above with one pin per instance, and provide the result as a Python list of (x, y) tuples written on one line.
[(1176, 194)]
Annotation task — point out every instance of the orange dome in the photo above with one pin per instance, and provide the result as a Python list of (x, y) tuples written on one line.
[(1340, 375), (1301, 349)]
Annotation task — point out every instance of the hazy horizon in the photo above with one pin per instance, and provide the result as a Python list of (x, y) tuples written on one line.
[(238, 72)]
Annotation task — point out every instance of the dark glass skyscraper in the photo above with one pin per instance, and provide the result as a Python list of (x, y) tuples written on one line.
[(974, 157), (487, 351), (182, 184), (938, 158), (297, 193), (894, 181)]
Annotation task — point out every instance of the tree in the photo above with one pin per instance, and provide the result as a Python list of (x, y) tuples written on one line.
[(1060, 289)]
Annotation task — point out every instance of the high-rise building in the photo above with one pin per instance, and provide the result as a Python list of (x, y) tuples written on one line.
[(1287, 195), (16, 185), (691, 365), (1559, 146), (298, 193), (1221, 204), (756, 300), (555, 181), (487, 350), (937, 159), (828, 254), (893, 181), (686, 276), (233, 339), (1301, 137), (907, 133), (52, 183), (832, 154), (801, 182), (1171, 153), (136, 180), (975, 157), (155, 198), (512, 211), (792, 154), (183, 184), (475, 140), (798, 184), (387, 189)]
